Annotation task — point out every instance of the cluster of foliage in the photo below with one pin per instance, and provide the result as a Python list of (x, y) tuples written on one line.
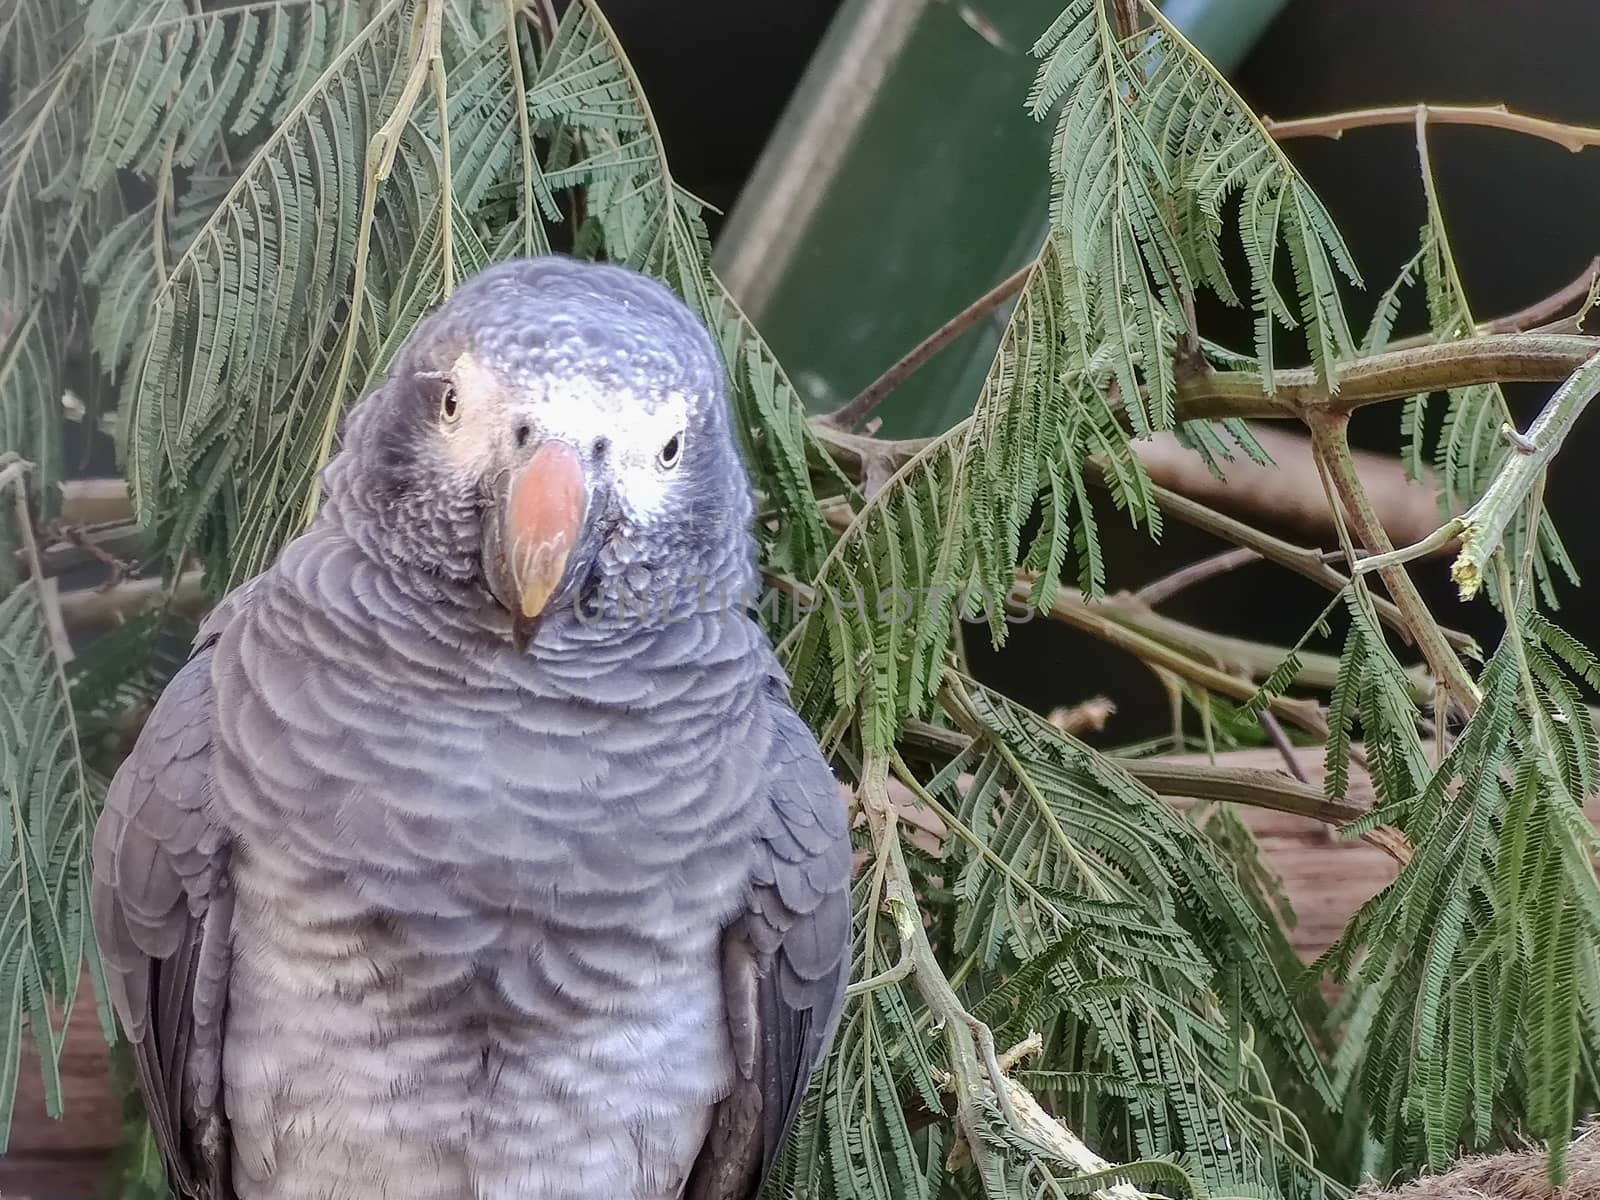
[(219, 221)]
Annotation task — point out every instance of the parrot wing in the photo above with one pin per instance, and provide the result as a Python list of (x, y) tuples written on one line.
[(161, 914), (785, 964)]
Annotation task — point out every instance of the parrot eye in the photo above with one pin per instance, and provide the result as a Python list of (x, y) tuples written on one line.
[(671, 453), (449, 404)]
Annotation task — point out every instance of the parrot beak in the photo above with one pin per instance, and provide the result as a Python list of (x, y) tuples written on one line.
[(541, 515)]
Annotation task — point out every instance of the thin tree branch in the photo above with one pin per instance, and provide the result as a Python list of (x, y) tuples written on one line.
[(1484, 524), (1445, 535), (1528, 357), (93, 609), (1551, 307), (1224, 781), (1489, 358), (1285, 748), (1287, 491), (1493, 116), (1302, 560), (1255, 787), (1159, 591), (900, 898), (1536, 316), (1229, 666), (116, 547), (852, 450), (976, 1067), (1253, 660), (1409, 510), (1072, 610), (857, 410), (894, 974), (1330, 433), (1026, 1048)]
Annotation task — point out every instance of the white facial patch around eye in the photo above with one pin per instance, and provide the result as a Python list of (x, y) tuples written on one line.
[(469, 441), (581, 411)]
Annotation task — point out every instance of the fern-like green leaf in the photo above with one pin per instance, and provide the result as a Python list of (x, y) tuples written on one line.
[(47, 805)]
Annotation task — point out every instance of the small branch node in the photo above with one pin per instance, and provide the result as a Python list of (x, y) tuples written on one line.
[(1026, 1048), (1521, 441)]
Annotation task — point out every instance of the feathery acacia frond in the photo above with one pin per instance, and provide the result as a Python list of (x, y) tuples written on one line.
[(257, 304), (1469, 957), (1104, 921), (1472, 446), (1150, 145), (47, 808), (33, 36), (1463, 973)]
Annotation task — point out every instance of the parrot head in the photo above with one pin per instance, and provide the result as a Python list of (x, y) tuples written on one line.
[(555, 434)]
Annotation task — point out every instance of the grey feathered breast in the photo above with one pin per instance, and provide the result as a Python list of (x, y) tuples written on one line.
[(617, 798)]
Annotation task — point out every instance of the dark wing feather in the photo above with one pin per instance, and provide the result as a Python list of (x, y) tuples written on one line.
[(785, 963), (161, 914)]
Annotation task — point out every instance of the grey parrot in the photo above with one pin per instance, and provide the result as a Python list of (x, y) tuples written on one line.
[(477, 851)]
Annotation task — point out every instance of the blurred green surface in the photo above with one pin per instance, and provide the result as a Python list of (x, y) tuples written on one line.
[(941, 192)]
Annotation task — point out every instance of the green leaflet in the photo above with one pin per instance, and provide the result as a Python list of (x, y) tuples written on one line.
[(47, 806), (1105, 922), (1471, 448), (1150, 145), (1491, 905)]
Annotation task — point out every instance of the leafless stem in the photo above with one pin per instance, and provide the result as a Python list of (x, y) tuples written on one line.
[(1494, 116), (1329, 432), (894, 974), (1252, 786), (861, 407), (1535, 316), (1302, 560), (1280, 740), (1104, 626), (1551, 307), (1161, 590)]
